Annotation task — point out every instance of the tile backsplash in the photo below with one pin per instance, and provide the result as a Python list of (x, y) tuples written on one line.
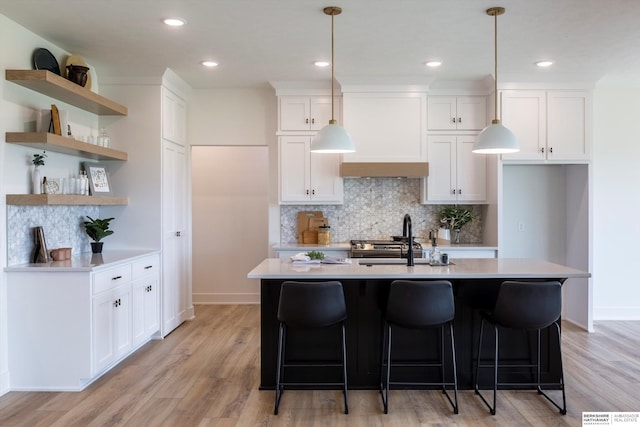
[(374, 209), (62, 227)]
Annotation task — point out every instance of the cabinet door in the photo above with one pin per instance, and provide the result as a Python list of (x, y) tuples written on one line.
[(441, 112), (326, 183), (471, 112), (441, 182), (294, 112), (524, 113), (567, 118), (471, 171), (122, 321), (321, 111), (386, 127), (294, 169), (174, 117), (174, 229), (145, 310), (104, 351)]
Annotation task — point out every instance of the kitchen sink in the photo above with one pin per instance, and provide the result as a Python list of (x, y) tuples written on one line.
[(392, 261)]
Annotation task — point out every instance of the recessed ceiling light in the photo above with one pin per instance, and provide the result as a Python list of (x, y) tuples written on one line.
[(544, 64), (175, 22), (321, 63), (210, 64), (433, 64)]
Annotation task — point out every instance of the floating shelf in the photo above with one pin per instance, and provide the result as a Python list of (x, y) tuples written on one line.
[(61, 144), (55, 86), (63, 199)]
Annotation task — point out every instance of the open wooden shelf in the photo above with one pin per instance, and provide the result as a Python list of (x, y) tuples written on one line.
[(63, 199), (55, 86), (60, 144)]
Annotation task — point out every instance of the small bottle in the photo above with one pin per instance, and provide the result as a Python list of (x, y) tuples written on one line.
[(434, 253), (103, 138)]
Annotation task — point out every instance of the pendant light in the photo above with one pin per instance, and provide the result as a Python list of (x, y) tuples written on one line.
[(495, 138), (332, 138)]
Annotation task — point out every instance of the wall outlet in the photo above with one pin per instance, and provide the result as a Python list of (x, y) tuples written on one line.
[(521, 227)]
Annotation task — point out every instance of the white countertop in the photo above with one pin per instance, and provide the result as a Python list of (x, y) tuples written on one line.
[(83, 262), (484, 268)]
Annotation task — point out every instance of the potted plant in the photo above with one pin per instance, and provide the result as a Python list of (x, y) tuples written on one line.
[(36, 180), (97, 229), (454, 218)]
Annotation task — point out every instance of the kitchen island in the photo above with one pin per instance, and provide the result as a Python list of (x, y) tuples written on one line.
[(366, 286)]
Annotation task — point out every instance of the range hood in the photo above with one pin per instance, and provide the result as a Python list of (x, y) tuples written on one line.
[(387, 170)]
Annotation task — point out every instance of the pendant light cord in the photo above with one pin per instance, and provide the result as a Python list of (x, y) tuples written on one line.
[(495, 64), (332, 71)]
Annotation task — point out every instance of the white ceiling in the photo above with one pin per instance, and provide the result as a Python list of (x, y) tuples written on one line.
[(258, 41)]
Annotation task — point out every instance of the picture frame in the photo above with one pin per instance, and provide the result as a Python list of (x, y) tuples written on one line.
[(99, 180)]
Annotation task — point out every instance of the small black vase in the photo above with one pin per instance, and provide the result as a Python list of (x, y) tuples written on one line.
[(96, 247)]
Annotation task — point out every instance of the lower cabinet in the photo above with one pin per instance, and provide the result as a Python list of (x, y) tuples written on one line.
[(68, 327)]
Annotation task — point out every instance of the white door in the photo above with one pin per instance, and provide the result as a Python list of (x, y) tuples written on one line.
[(174, 229)]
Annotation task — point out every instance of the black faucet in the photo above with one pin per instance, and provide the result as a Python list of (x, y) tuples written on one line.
[(406, 232)]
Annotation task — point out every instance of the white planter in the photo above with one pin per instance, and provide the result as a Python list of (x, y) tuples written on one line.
[(36, 181)]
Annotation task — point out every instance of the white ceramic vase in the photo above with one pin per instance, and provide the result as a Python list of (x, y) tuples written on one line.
[(36, 180)]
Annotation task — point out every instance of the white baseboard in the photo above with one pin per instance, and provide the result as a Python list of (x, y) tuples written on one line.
[(226, 298), (4, 383), (616, 313)]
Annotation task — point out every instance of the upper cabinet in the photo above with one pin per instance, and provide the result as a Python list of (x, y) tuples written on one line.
[(457, 113), (305, 177), (305, 113), (386, 126), (174, 117), (456, 174), (553, 126)]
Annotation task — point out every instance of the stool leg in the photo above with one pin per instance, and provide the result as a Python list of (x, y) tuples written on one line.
[(495, 370), (563, 409), (479, 356), (492, 410), (344, 369), (455, 370), (384, 386), (280, 367)]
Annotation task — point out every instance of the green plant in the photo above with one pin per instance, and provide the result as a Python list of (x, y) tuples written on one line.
[(454, 217), (98, 228), (38, 159), (315, 255)]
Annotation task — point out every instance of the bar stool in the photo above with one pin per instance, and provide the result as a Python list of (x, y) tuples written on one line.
[(418, 305), (530, 306), (310, 305)]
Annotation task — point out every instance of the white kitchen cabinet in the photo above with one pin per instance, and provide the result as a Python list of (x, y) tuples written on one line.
[(456, 174), (305, 113), (457, 113), (386, 126), (70, 324), (174, 117), (551, 126), (146, 296), (111, 326), (305, 177)]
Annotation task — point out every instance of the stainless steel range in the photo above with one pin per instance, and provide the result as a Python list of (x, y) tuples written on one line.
[(383, 249)]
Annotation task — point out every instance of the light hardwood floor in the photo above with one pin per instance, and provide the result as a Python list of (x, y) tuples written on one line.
[(206, 373)]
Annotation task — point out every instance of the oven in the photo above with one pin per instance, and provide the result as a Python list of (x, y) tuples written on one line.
[(383, 249)]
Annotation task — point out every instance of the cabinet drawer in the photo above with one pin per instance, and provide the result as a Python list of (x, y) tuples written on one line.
[(146, 266), (111, 278)]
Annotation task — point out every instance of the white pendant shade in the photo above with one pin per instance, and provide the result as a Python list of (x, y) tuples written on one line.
[(496, 139), (332, 139)]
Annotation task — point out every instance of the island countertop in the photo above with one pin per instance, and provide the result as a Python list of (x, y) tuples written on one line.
[(482, 268)]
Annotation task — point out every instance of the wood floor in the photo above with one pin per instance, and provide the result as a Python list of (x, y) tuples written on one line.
[(206, 373)]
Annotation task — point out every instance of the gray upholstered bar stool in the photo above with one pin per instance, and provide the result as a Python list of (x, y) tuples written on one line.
[(419, 305), (310, 305), (530, 306)]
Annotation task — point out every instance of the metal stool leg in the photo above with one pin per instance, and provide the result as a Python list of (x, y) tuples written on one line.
[(344, 369), (492, 409), (563, 409), (280, 367)]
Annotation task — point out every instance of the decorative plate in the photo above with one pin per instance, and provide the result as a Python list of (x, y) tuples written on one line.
[(44, 60)]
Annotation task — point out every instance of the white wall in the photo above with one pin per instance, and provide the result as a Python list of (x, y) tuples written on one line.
[(230, 206), (616, 218)]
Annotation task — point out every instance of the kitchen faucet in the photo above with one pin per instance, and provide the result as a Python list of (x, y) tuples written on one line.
[(406, 232)]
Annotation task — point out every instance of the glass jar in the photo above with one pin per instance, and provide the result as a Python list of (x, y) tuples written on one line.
[(324, 235), (103, 138)]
